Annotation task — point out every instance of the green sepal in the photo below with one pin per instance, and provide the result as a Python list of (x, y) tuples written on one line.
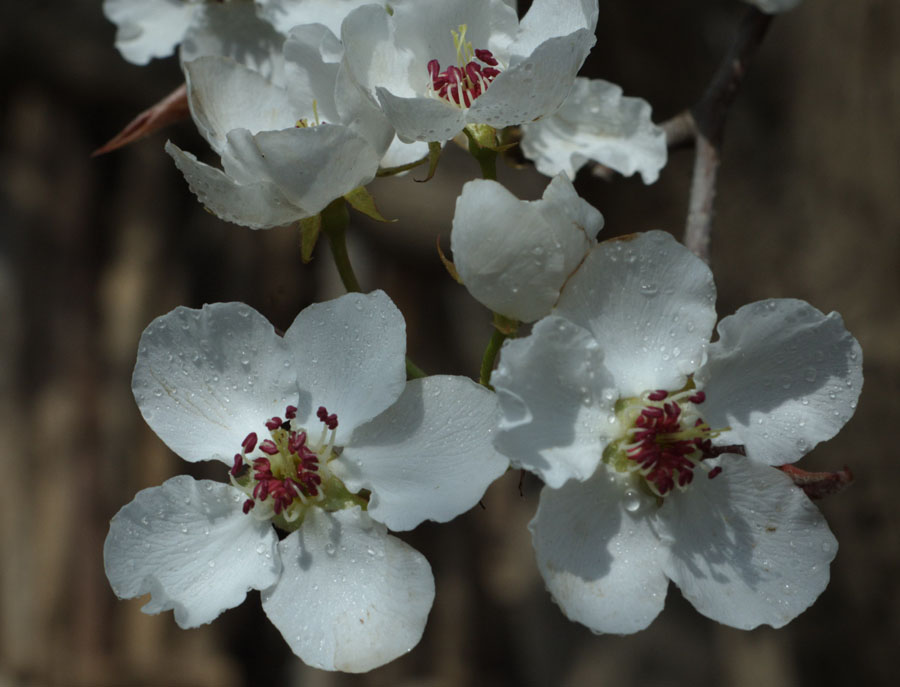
[(362, 201), (448, 263), (434, 154), (309, 236)]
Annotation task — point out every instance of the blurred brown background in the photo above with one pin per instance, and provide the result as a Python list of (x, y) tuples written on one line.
[(92, 249)]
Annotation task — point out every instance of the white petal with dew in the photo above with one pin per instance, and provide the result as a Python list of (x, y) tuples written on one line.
[(148, 28), (783, 376), (351, 597), (429, 456), (234, 30), (224, 95), (598, 554), (596, 122), (533, 86), (259, 205), (349, 355), (204, 379), (514, 256), (188, 544), (650, 303), (747, 547), (556, 400)]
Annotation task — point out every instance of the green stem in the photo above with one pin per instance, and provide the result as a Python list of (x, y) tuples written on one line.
[(490, 355), (486, 157), (335, 220)]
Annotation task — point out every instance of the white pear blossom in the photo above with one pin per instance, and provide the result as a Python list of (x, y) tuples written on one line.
[(774, 6), (514, 255), (286, 152), (657, 446), (245, 30), (318, 433), (596, 122), (436, 66)]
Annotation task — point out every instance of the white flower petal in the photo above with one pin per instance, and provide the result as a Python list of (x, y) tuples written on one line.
[(224, 95), (351, 597), (556, 400), (148, 28), (783, 376), (533, 86), (747, 547), (286, 14), (188, 544), (601, 563), (596, 122), (234, 30), (421, 119), (548, 18), (349, 354), (312, 56), (649, 303), (310, 166), (260, 205), (514, 256), (427, 457), (204, 379)]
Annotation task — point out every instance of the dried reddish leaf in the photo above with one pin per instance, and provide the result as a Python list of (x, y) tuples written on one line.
[(818, 485), (171, 109)]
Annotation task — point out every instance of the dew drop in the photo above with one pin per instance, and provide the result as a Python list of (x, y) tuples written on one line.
[(809, 374), (649, 289), (329, 549), (632, 500)]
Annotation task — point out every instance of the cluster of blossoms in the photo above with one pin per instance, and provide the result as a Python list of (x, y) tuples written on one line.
[(657, 447)]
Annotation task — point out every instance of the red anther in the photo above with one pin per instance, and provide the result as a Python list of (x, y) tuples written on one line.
[(249, 442), (274, 423), (238, 464), (715, 471), (290, 412), (652, 411), (330, 421), (490, 73), (248, 504), (486, 56), (453, 74), (268, 446), (296, 441), (658, 395), (434, 69), (699, 397)]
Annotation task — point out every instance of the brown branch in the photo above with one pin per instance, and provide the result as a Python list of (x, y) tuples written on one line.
[(709, 115)]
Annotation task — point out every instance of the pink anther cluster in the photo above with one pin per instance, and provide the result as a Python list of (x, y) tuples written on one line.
[(665, 450), (463, 85), (282, 490)]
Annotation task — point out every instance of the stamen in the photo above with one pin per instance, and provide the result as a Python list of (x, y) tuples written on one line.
[(274, 423), (268, 446), (330, 421), (290, 412), (462, 83), (249, 443)]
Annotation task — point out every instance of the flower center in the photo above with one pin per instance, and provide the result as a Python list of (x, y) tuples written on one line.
[(473, 72), (664, 439), (292, 473)]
